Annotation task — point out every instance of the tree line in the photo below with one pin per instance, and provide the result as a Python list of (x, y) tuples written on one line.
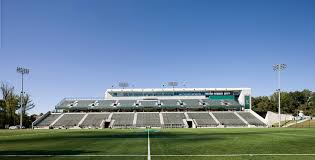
[(291, 102), (10, 107)]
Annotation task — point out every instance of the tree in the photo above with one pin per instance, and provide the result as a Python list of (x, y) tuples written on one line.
[(263, 104), (27, 103), (311, 103), (291, 102), (1, 105), (10, 103), (10, 106), (2, 114)]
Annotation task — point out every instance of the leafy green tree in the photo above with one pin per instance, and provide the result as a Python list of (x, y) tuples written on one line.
[(291, 102), (263, 104), (311, 103), (2, 114), (10, 107), (10, 103)]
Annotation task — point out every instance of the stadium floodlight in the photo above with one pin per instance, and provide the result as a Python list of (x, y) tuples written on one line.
[(278, 68), (22, 71), (173, 85), (184, 84), (123, 84)]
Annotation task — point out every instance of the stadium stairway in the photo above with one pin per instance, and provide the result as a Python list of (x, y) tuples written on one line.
[(240, 117), (161, 119), (215, 119), (45, 120), (82, 120), (55, 121), (229, 119), (134, 123)]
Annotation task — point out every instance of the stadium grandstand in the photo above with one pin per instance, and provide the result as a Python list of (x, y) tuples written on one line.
[(156, 108)]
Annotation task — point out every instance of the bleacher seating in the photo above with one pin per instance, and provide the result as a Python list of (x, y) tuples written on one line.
[(191, 103), (48, 120), (213, 103), (126, 103), (251, 119), (65, 104), (94, 120), (228, 119), (83, 104), (104, 104), (221, 103), (165, 103), (148, 103), (123, 120), (203, 119), (173, 120), (69, 120), (232, 103), (169, 103), (148, 119)]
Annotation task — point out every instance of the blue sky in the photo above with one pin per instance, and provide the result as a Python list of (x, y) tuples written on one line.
[(78, 48)]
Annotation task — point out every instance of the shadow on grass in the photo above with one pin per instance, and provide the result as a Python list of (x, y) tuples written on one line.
[(73, 158), (47, 152), (75, 136)]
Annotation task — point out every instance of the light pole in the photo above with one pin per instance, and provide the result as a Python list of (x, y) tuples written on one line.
[(22, 71), (279, 68)]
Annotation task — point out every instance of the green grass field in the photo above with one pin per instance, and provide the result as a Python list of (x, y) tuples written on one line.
[(165, 144)]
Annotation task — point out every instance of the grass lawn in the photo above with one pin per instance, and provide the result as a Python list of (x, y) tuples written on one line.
[(165, 144)]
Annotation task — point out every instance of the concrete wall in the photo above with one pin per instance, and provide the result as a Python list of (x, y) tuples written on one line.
[(272, 118)]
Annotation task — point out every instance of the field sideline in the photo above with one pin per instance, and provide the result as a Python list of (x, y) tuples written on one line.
[(173, 144)]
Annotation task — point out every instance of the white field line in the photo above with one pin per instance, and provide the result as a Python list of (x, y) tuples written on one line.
[(125, 155), (149, 153)]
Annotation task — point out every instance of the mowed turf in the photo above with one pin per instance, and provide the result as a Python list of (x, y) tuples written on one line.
[(72, 142), (165, 144)]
